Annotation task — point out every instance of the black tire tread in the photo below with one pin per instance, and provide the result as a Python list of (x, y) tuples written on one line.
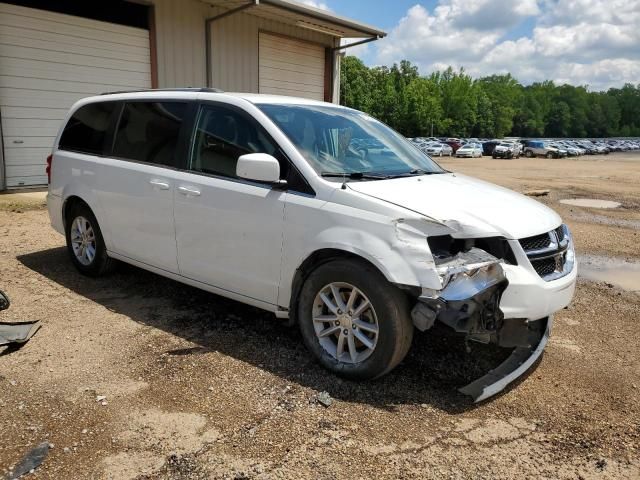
[(393, 299)]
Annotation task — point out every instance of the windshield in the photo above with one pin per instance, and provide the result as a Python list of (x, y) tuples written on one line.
[(340, 141)]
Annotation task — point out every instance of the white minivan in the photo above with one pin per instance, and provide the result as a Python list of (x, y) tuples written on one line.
[(316, 212)]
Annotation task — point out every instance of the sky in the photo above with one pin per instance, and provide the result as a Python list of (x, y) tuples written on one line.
[(595, 43)]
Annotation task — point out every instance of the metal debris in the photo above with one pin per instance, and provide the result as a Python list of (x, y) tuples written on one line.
[(324, 399), (15, 332), (31, 461), (18, 332)]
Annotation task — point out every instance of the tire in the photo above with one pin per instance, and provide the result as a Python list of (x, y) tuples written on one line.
[(528, 153), (99, 263), (390, 310), (549, 155)]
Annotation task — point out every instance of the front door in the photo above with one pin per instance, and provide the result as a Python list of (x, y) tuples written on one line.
[(228, 230)]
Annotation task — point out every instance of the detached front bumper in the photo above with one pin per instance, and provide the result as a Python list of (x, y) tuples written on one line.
[(492, 302), (520, 360)]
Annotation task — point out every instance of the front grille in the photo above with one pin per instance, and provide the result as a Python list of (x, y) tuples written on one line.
[(547, 253), (544, 267), (537, 242)]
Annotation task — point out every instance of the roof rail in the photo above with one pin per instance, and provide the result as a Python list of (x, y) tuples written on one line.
[(182, 89)]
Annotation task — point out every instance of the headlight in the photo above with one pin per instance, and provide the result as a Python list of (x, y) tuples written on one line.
[(570, 258)]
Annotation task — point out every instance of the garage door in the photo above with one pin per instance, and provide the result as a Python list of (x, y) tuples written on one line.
[(291, 67), (48, 61)]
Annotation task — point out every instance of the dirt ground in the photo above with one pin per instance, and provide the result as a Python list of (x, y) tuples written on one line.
[(197, 386)]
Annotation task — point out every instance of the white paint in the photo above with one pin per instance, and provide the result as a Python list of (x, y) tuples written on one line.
[(246, 241), (591, 203), (471, 204)]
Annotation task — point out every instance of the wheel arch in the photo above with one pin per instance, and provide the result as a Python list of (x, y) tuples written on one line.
[(69, 203), (312, 262)]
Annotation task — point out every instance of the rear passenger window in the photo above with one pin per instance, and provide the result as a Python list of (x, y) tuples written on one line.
[(222, 135), (86, 130), (148, 131)]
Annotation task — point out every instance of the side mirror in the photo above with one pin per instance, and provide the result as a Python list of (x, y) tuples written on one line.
[(260, 167)]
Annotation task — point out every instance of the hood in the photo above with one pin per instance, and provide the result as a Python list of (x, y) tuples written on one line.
[(470, 206)]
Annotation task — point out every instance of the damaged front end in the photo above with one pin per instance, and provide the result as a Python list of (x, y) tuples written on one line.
[(473, 282)]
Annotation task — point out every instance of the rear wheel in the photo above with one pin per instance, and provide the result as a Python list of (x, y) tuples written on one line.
[(353, 320), (528, 153), (85, 243), (549, 155)]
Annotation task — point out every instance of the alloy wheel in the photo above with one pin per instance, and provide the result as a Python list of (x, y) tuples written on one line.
[(83, 240), (345, 322)]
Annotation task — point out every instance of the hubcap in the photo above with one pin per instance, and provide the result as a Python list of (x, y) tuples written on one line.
[(345, 322), (83, 240)]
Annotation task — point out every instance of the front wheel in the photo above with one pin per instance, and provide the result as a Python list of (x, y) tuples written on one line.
[(528, 153), (353, 320), (85, 243), (549, 155)]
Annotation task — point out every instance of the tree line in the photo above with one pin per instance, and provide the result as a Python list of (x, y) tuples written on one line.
[(452, 103)]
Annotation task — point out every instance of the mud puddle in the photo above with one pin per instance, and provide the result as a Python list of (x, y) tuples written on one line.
[(618, 272), (590, 203)]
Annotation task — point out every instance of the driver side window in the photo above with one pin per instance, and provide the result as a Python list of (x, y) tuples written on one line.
[(222, 135)]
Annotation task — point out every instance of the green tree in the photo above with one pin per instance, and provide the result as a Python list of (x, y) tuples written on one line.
[(492, 106), (504, 94), (559, 120), (424, 111)]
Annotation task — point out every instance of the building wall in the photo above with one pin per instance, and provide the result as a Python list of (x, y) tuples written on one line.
[(180, 42), (180, 34), (234, 48)]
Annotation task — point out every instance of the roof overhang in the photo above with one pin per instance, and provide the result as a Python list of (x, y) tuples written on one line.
[(300, 15)]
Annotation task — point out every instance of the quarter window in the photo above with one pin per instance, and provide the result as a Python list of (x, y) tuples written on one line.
[(222, 135), (148, 131), (87, 129)]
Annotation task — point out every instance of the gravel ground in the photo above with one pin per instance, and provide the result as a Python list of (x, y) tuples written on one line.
[(198, 386)]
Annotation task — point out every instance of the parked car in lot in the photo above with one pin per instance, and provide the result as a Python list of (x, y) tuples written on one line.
[(488, 146), (505, 150), (533, 148), (454, 143), (437, 149), (470, 150), (315, 212)]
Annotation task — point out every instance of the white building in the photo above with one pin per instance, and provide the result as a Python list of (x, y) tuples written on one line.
[(53, 52)]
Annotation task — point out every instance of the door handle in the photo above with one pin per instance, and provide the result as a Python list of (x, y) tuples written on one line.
[(160, 184), (189, 191)]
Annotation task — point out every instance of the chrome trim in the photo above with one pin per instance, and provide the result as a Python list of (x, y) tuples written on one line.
[(553, 246), (561, 251)]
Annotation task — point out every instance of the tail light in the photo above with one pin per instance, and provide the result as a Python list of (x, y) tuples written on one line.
[(48, 169)]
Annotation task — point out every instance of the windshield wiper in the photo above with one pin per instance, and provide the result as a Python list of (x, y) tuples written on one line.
[(416, 171), (355, 175)]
